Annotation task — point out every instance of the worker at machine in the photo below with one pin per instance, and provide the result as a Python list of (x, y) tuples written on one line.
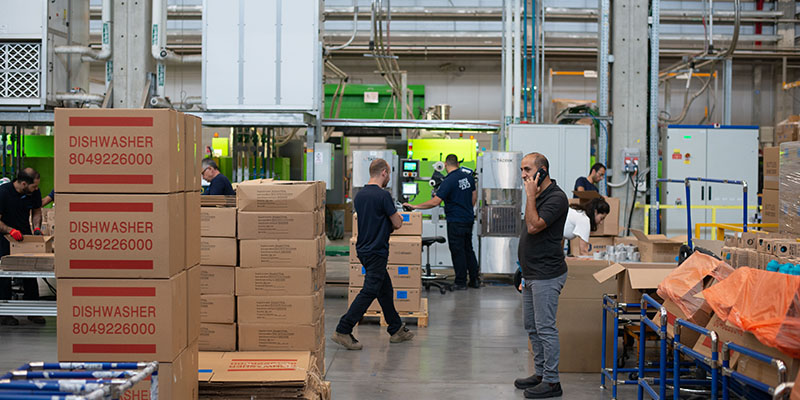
[(457, 190), (582, 220), (219, 185), (589, 183), (544, 270), (20, 206), (377, 218), (51, 197)]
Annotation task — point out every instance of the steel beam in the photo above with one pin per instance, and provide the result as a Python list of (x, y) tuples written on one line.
[(655, 6)]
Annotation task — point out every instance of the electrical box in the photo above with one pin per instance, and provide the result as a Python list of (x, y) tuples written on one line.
[(323, 163), (630, 160)]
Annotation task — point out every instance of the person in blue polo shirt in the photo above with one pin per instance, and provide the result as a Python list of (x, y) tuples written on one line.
[(459, 196)]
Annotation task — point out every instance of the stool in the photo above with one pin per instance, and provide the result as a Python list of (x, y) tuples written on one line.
[(429, 278)]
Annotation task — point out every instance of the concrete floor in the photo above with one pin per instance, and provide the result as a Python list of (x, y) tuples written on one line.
[(473, 348)]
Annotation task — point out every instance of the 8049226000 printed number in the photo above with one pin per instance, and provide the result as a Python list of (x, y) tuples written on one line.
[(110, 159), (110, 244), (113, 328)]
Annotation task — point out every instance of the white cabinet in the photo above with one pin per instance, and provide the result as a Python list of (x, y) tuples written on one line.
[(566, 147), (706, 151)]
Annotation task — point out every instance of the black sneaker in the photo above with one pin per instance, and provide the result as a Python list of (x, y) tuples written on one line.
[(8, 321), (529, 382), (37, 320), (459, 287), (544, 390), (475, 284)]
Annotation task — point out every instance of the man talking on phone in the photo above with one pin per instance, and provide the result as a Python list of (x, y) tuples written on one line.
[(544, 270)]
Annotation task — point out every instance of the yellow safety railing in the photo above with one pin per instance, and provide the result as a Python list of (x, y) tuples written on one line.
[(718, 232), (713, 209)]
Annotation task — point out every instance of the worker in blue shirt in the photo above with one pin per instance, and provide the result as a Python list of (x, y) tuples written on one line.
[(457, 190), (589, 183), (219, 183)]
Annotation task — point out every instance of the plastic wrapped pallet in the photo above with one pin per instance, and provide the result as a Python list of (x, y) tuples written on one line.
[(789, 190)]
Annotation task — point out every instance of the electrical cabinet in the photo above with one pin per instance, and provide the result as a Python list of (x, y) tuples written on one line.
[(567, 148), (708, 151)]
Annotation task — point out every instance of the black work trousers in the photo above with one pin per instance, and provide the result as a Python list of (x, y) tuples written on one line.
[(30, 289), (377, 285), (459, 239)]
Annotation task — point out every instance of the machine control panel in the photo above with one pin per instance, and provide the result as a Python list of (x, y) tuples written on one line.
[(409, 168)]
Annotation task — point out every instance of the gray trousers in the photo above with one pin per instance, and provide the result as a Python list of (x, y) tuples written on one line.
[(539, 307)]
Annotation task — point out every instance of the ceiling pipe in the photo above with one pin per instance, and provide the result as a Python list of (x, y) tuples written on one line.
[(87, 53), (355, 31)]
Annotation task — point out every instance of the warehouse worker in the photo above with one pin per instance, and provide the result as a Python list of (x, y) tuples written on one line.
[(544, 271), (582, 220), (219, 183), (377, 218), (20, 205), (589, 183), (51, 197), (459, 196)]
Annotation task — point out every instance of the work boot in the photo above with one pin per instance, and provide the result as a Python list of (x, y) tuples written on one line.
[(37, 320), (475, 283), (459, 287), (401, 335), (544, 390), (8, 321), (347, 340), (529, 382)]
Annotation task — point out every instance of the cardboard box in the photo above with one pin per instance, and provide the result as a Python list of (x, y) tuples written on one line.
[(103, 319), (580, 327), (596, 243), (112, 150), (279, 281), (192, 200), (281, 309), (770, 209), (217, 337), (634, 279), (193, 276), (405, 300), (194, 151), (218, 222), (786, 248), (658, 248), (412, 224), (688, 336), (787, 130), (749, 239), (218, 251), (280, 196), (403, 276), (280, 336), (281, 225), (281, 252), (403, 250), (255, 367), (581, 283), (29, 262), (176, 379), (113, 236), (217, 280), (772, 163), (610, 226), (217, 308), (31, 244)]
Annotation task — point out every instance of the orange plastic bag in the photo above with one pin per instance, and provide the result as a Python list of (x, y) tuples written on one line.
[(683, 285), (760, 302)]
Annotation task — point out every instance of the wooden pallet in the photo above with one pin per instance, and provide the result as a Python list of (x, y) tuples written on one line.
[(421, 316)]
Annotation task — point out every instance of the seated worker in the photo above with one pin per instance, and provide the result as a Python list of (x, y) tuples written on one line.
[(581, 220), (590, 182), (219, 183)]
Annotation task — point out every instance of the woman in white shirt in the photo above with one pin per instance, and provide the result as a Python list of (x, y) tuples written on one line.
[(582, 220)]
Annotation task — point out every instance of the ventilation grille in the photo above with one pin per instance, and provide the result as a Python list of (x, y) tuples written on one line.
[(501, 220), (20, 71)]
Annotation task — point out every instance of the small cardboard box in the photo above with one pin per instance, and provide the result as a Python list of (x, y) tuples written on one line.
[(688, 336), (31, 244), (402, 250), (217, 308), (218, 222), (217, 280), (786, 248), (193, 303), (658, 248), (403, 276), (787, 130), (281, 252), (289, 367), (192, 228), (596, 243), (610, 226), (113, 236), (279, 281), (581, 283), (772, 163), (281, 225), (176, 379), (112, 150), (217, 337), (122, 319), (405, 300), (280, 309), (280, 196), (633, 279), (749, 239), (412, 224), (280, 336), (218, 251)]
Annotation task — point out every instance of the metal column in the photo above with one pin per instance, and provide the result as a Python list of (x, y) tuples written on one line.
[(602, 85), (133, 64), (727, 88), (655, 16)]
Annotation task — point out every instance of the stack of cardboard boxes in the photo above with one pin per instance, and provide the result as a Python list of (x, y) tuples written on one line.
[(789, 188), (281, 276), (404, 265), (218, 258), (127, 181)]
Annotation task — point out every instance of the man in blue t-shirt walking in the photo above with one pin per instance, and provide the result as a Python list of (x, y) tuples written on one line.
[(377, 218), (459, 196)]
